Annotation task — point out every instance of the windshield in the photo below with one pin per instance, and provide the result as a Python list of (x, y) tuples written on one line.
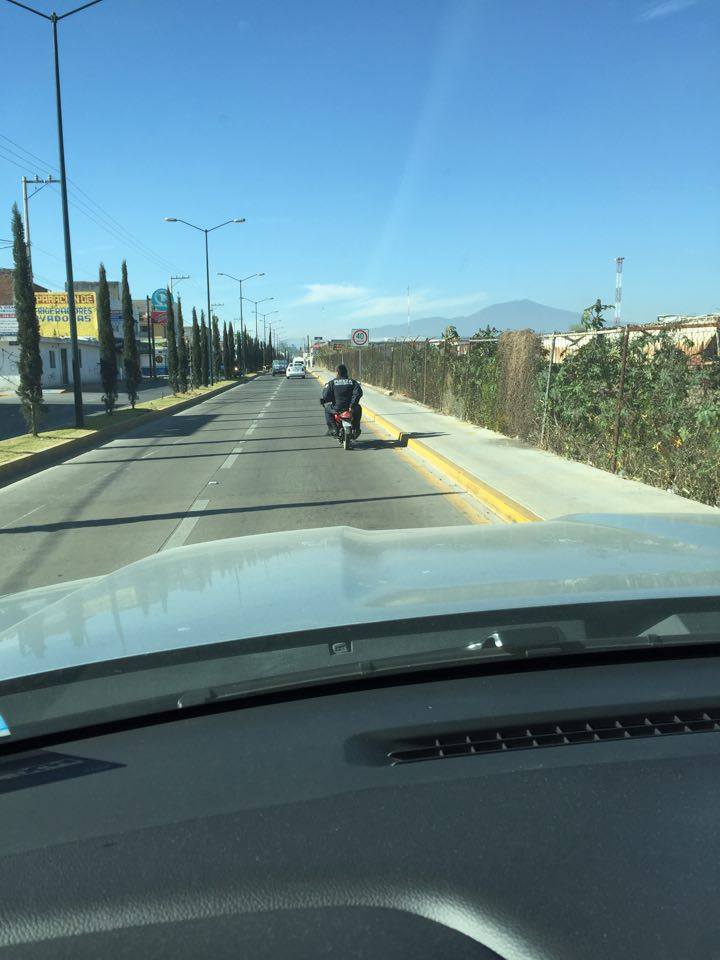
[(478, 244)]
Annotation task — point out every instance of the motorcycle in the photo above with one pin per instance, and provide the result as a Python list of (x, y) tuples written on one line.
[(344, 429)]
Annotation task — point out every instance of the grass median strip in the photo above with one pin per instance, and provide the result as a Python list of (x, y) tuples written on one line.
[(18, 448)]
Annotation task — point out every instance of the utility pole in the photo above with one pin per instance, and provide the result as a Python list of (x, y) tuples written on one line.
[(618, 289), (26, 208), (183, 276), (26, 218), (151, 338)]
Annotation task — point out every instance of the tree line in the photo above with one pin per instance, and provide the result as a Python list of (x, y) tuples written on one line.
[(231, 354), (189, 357), (30, 365)]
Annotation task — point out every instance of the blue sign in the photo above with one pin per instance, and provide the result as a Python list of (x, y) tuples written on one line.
[(160, 299)]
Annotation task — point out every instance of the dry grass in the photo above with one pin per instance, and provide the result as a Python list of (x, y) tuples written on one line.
[(519, 356), (23, 446)]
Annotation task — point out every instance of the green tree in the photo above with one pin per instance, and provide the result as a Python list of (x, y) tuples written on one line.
[(106, 338), (592, 316), (239, 352), (182, 356), (226, 358), (204, 353), (195, 353), (172, 349), (486, 333), (216, 348), (30, 366), (131, 355), (231, 346), (450, 332)]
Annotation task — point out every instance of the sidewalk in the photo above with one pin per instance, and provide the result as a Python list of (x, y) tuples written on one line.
[(544, 484)]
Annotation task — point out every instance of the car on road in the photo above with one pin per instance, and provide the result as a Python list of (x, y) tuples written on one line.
[(279, 367), (296, 369)]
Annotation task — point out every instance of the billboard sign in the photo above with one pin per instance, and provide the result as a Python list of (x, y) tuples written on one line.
[(54, 319), (8, 323), (160, 300)]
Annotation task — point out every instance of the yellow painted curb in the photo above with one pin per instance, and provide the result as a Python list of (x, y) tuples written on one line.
[(505, 507)]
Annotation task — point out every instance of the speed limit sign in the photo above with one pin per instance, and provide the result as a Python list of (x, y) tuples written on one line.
[(360, 337)]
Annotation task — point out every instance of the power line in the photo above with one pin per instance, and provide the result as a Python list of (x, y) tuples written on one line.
[(113, 223), (20, 165)]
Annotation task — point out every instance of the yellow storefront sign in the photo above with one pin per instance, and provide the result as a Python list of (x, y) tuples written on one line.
[(53, 318)]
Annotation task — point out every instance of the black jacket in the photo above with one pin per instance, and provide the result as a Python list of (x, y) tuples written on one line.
[(341, 394)]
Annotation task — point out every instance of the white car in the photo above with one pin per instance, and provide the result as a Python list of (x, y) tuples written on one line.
[(295, 369)]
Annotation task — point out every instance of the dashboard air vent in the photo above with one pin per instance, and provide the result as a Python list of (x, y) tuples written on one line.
[(562, 733)]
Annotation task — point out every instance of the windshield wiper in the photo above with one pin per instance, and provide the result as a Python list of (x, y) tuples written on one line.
[(501, 645)]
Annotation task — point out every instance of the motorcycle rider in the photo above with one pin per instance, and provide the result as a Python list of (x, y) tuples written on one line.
[(342, 393)]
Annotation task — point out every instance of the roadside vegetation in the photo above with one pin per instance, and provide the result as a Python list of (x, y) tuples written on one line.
[(662, 427)]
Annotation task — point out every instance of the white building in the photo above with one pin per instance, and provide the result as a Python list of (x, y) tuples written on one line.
[(57, 363)]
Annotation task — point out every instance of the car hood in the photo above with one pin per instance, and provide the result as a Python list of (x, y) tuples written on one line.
[(299, 580)]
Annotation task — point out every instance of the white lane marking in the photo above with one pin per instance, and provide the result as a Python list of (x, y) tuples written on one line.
[(251, 427), (146, 455), (230, 460), (183, 530), (34, 510)]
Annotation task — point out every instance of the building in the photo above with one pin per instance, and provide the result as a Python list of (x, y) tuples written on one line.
[(698, 337), (8, 323), (57, 363)]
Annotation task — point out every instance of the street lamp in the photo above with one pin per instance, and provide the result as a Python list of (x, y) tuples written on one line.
[(269, 324), (72, 318), (206, 231), (256, 302), (242, 325)]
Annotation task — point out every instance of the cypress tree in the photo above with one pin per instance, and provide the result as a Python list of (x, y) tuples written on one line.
[(216, 348), (106, 337), (131, 355), (231, 347), (30, 366), (196, 368), (226, 359), (204, 353), (239, 352), (171, 342), (182, 357)]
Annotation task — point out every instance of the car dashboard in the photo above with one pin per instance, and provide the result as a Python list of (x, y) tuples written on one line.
[(367, 822)]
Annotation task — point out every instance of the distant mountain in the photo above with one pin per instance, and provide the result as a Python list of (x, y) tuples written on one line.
[(513, 315)]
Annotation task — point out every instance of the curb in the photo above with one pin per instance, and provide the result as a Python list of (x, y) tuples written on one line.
[(35, 462), (505, 507)]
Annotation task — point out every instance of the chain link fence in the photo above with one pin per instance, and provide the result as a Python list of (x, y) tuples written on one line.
[(642, 403)]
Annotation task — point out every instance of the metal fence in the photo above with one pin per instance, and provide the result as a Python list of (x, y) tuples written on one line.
[(640, 401)]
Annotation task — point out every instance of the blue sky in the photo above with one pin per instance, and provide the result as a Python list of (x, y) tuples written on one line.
[(475, 150)]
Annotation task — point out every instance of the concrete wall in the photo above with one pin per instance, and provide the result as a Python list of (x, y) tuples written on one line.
[(51, 351)]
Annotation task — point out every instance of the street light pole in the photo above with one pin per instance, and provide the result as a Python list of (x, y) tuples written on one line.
[(72, 318), (211, 363), (206, 231), (242, 323)]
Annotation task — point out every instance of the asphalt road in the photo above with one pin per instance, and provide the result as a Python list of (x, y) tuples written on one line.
[(251, 460), (61, 410)]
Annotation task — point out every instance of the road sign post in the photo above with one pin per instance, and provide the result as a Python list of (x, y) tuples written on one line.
[(359, 338)]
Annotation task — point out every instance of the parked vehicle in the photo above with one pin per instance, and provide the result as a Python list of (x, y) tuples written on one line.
[(279, 367)]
